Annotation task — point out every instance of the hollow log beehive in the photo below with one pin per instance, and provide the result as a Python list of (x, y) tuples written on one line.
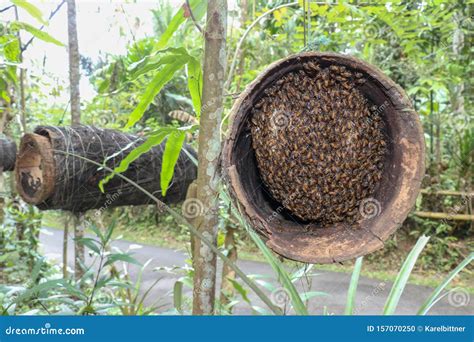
[(7, 154), (324, 157), (52, 170)]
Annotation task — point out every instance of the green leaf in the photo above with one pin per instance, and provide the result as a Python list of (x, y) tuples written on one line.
[(240, 289), (198, 8), (154, 60), (283, 275), (36, 270), (152, 141), (160, 79), (353, 287), (121, 257), (170, 157), (31, 9), (12, 51), (433, 298), (195, 84), (46, 37), (305, 296), (178, 296), (403, 275), (89, 243)]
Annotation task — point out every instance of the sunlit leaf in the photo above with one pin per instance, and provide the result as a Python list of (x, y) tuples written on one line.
[(31, 9), (170, 157), (403, 275), (156, 84), (198, 8), (46, 37), (195, 84), (147, 145)]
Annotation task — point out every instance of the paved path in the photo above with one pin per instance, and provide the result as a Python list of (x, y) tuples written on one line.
[(370, 299)]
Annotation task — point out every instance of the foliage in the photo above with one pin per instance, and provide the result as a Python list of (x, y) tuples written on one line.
[(422, 46)]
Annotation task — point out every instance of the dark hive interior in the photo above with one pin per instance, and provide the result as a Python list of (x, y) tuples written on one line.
[(319, 143)]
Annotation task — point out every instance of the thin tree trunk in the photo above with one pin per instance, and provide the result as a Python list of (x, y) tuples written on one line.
[(65, 245), (75, 100), (209, 150), (74, 74), (79, 255), (243, 20)]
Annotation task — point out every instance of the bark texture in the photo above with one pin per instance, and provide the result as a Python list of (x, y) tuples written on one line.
[(53, 171), (209, 151), (75, 102)]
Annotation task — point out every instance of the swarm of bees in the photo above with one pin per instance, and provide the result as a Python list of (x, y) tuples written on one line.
[(320, 145)]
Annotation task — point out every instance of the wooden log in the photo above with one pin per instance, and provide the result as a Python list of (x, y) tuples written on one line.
[(397, 190), (50, 174), (7, 154)]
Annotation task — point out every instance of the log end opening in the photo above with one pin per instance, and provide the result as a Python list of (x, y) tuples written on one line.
[(380, 213), (35, 168)]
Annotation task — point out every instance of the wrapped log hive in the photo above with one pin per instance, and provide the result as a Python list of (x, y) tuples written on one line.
[(52, 171), (325, 157), (7, 154)]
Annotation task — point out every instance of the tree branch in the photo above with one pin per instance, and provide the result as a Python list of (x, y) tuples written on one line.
[(51, 15), (6, 8), (193, 18), (241, 41)]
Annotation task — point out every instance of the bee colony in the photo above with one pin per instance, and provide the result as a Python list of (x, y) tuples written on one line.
[(319, 144), (324, 157)]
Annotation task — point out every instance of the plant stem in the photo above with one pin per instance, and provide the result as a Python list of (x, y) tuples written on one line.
[(181, 220)]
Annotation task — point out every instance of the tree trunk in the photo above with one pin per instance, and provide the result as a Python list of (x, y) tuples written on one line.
[(243, 20), (74, 73), (209, 151), (75, 101), (65, 245)]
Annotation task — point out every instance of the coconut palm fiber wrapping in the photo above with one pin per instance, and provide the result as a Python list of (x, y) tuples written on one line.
[(76, 184), (7, 154)]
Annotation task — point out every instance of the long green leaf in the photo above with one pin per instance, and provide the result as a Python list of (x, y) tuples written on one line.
[(170, 157), (121, 257), (433, 298), (152, 141), (160, 79), (198, 8), (195, 84), (283, 275), (31, 9), (154, 61), (403, 275), (46, 37), (178, 296), (353, 287)]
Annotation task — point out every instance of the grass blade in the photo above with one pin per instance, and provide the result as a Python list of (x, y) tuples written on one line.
[(433, 298), (283, 275), (353, 287), (403, 275)]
